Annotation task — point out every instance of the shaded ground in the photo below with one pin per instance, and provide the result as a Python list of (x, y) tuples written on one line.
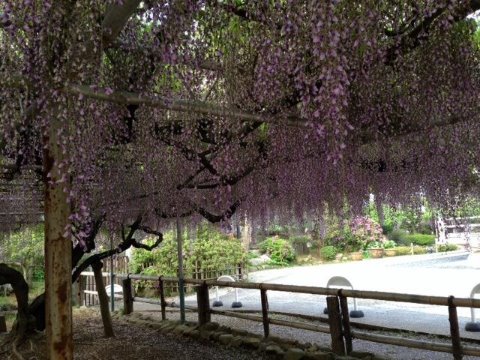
[(323, 340), (133, 342)]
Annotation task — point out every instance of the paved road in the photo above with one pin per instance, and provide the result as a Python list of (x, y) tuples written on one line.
[(433, 274)]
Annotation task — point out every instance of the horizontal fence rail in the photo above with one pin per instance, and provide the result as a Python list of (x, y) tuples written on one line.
[(338, 324), (314, 290)]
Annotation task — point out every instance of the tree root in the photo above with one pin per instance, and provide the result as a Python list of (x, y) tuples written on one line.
[(12, 344), (15, 352)]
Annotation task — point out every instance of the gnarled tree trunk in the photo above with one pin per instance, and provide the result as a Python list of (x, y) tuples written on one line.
[(24, 322)]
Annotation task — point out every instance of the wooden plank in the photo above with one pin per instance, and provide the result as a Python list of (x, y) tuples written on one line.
[(410, 343), (292, 324), (90, 292), (146, 300), (301, 325), (92, 274), (236, 314), (335, 323)]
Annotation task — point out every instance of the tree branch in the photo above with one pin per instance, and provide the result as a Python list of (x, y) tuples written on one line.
[(148, 230), (127, 242), (116, 18), (413, 39), (214, 218), (188, 106)]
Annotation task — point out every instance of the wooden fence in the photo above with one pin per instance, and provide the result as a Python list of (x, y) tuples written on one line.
[(86, 290), (338, 322)]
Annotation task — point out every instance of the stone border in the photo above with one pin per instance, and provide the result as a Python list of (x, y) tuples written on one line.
[(278, 347)]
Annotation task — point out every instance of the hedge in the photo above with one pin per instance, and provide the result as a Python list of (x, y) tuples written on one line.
[(420, 239)]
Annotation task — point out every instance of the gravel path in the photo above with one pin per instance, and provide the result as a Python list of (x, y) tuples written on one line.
[(304, 336)]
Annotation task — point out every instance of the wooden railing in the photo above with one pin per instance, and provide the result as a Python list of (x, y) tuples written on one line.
[(339, 326), (86, 291)]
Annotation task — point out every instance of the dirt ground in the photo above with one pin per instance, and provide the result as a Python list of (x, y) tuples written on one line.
[(131, 342)]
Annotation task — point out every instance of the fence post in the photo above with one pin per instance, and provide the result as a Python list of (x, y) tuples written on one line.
[(203, 304), (454, 330), (346, 322), (127, 296), (81, 288), (335, 323), (162, 296), (266, 321)]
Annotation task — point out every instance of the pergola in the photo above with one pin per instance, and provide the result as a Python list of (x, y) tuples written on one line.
[(22, 198)]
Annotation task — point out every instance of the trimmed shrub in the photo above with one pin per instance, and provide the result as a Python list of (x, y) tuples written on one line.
[(328, 253), (407, 250), (280, 250), (420, 239), (447, 247)]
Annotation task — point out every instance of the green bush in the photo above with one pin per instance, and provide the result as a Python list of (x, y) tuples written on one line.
[(211, 251), (336, 236), (375, 245), (420, 239), (38, 274), (25, 247), (279, 250), (447, 247), (389, 244), (328, 253), (387, 228)]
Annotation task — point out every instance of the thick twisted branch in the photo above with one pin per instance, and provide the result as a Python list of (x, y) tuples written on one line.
[(127, 242)]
